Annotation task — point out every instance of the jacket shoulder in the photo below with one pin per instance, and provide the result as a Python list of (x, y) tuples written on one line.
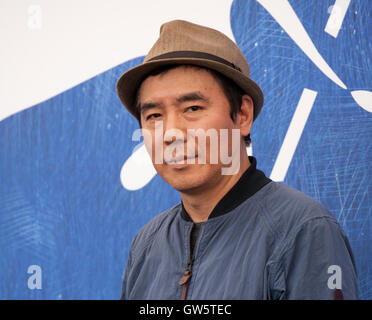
[(146, 234), (286, 209)]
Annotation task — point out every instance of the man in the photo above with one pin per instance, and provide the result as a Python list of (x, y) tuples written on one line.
[(236, 234)]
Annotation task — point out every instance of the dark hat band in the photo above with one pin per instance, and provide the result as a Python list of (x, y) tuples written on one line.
[(194, 54)]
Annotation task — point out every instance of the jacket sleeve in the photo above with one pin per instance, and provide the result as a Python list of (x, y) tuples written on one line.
[(128, 275), (125, 288), (317, 264)]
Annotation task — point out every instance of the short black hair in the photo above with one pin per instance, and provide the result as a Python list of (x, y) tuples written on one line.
[(231, 90)]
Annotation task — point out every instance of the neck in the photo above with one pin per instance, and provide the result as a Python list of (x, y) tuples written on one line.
[(200, 204)]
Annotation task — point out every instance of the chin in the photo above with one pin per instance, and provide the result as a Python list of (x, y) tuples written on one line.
[(189, 179), (185, 186)]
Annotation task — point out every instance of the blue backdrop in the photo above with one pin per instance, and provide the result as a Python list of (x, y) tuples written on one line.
[(62, 204)]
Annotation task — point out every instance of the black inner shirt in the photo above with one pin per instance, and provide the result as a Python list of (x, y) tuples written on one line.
[(249, 183)]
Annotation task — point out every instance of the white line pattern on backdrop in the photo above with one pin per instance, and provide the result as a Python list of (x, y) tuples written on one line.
[(284, 14), (336, 18), (293, 135)]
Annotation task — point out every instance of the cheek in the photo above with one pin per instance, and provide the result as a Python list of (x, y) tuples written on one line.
[(153, 141), (149, 142), (223, 126), (149, 147), (218, 119)]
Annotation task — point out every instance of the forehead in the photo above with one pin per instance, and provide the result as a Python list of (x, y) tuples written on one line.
[(178, 79)]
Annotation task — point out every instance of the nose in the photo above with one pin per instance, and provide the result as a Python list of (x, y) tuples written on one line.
[(174, 129)]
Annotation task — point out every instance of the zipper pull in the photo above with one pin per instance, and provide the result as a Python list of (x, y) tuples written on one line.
[(185, 281), (186, 277)]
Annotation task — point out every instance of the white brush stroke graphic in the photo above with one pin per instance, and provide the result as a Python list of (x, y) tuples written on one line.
[(138, 170), (363, 98), (336, 17), (293, 135), (284, 14)]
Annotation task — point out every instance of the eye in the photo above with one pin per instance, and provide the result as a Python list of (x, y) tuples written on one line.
[(193, 108), (152, 116)]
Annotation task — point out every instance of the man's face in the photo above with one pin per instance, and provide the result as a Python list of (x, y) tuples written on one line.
[(173, 103)]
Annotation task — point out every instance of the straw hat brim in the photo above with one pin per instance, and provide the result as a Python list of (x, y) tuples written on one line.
[(130, 81)]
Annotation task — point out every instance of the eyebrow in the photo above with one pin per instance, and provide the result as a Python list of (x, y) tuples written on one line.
[(148, 105), (192, 96)]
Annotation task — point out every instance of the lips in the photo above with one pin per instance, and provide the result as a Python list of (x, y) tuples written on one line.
[(180, 160)]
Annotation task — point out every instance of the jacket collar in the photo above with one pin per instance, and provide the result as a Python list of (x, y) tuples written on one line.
[(249, 183)]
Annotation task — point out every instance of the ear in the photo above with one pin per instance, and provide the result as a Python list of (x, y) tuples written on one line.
[(246, 115)]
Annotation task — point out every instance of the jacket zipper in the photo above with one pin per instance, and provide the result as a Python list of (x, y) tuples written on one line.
[(186, 278), (185, 281)]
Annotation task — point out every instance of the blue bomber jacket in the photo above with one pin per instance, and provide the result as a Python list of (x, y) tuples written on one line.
[(263, 240)]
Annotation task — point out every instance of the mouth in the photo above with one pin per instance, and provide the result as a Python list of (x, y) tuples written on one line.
[(181, 161)]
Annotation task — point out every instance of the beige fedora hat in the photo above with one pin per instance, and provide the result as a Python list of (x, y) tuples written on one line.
[(182, 42)]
